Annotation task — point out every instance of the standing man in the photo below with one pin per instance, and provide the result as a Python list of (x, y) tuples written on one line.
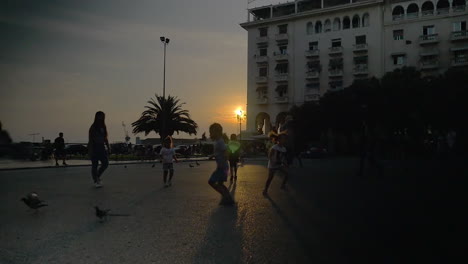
[(59, 145)]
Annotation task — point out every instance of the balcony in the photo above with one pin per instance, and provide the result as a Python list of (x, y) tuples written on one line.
[(428, 39), (412, 15), (398, 17), (460, 61), (281, 56), (361, 69), (429, 64), (261, 79), (459, 35), (263, 39), (459, 8), (314, 74), (360, 47), (280, 37), (441, 11), (260, 59), (282, 77), (335, 73), (312, 53), (281, 100), (262, 100), (311, 97), (335, 50)]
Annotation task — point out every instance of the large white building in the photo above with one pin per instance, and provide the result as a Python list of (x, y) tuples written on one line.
[(299, 50)]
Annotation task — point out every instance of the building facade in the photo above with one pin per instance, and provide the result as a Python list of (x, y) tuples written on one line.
[(300, 50)]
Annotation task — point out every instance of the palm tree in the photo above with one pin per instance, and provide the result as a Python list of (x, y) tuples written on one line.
[(165, 116)]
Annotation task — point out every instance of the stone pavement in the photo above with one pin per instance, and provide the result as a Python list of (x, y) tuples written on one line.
[(328, 215)]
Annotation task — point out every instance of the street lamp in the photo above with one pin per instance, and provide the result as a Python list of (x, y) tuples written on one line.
[(240, 115), (165, 41)]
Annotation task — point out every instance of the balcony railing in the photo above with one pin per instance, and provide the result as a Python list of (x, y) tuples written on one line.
[(281, 99), (262, 100), (441, 11), (360, 47), (427, 13), (281, 56), (261, 58), (412, 15), (398, 17), (428, 39), (429, 64), (361, 69), (459, 8), (459, 35), (262, 39), (312, 53), (261, 79), (312, 97), (281, 77), (460, 61), (280, 37), (335, 73), (314, 74), (335, 50)]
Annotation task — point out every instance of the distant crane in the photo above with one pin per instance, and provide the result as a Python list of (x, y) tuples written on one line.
[(34, 136), (127, 138)]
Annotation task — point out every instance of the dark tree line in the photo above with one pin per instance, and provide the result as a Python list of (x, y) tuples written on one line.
[(401, 110)]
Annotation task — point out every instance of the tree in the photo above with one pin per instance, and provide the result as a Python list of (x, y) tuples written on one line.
[(165, 116)]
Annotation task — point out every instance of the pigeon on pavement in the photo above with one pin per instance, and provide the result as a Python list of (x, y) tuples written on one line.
[(196, 162), (101, 214), (154, 164), (32, 201), (191, 165)]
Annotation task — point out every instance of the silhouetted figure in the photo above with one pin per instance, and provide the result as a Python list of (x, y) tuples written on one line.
[(59, 145), (277, 161), (168, 154), (219, 176), (32, 201), (5, 138), (234, 148), (97, 147), (287, 127)]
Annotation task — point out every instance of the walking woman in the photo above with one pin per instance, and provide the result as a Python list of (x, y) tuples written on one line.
[(96, 147)]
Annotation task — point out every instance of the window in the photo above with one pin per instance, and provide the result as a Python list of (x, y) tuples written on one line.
[(310, 28), (313, 45), (282, 90), (398, 34), (281, 68), (336, 43), (263, 71), (356, 21), (327, 26), (399, 60), (336, 24), (365, 20), (361, 39), (283, 29), (459, 26), (283, 49), (335, 64), (428, 30), (262, 52), (263, 32), (318, 27), (313, 66), (346, 23)]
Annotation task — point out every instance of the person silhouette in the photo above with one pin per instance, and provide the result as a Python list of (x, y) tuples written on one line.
[(59, 145), (97, 147)]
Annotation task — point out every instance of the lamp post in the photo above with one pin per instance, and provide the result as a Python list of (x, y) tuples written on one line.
[(240, 114), (165, 41)]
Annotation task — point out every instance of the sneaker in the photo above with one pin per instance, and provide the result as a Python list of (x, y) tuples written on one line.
[(97, 185)]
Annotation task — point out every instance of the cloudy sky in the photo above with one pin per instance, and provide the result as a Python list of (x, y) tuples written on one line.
[(61, 61)]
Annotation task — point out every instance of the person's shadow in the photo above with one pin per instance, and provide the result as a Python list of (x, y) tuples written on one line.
[(223, 238)]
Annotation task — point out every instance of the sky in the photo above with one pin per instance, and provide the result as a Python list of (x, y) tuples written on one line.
[(63, 60)]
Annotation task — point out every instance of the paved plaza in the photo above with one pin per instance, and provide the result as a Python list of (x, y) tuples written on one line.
[(327, 215)]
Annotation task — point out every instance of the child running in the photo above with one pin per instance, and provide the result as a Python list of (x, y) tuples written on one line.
[(277, 162), (167, 154), (234, 154), (219, 176)]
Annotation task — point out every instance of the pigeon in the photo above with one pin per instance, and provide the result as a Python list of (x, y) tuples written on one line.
[(196, 162), (191, 165), (102, 214), (32, 201), (154, 164)]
